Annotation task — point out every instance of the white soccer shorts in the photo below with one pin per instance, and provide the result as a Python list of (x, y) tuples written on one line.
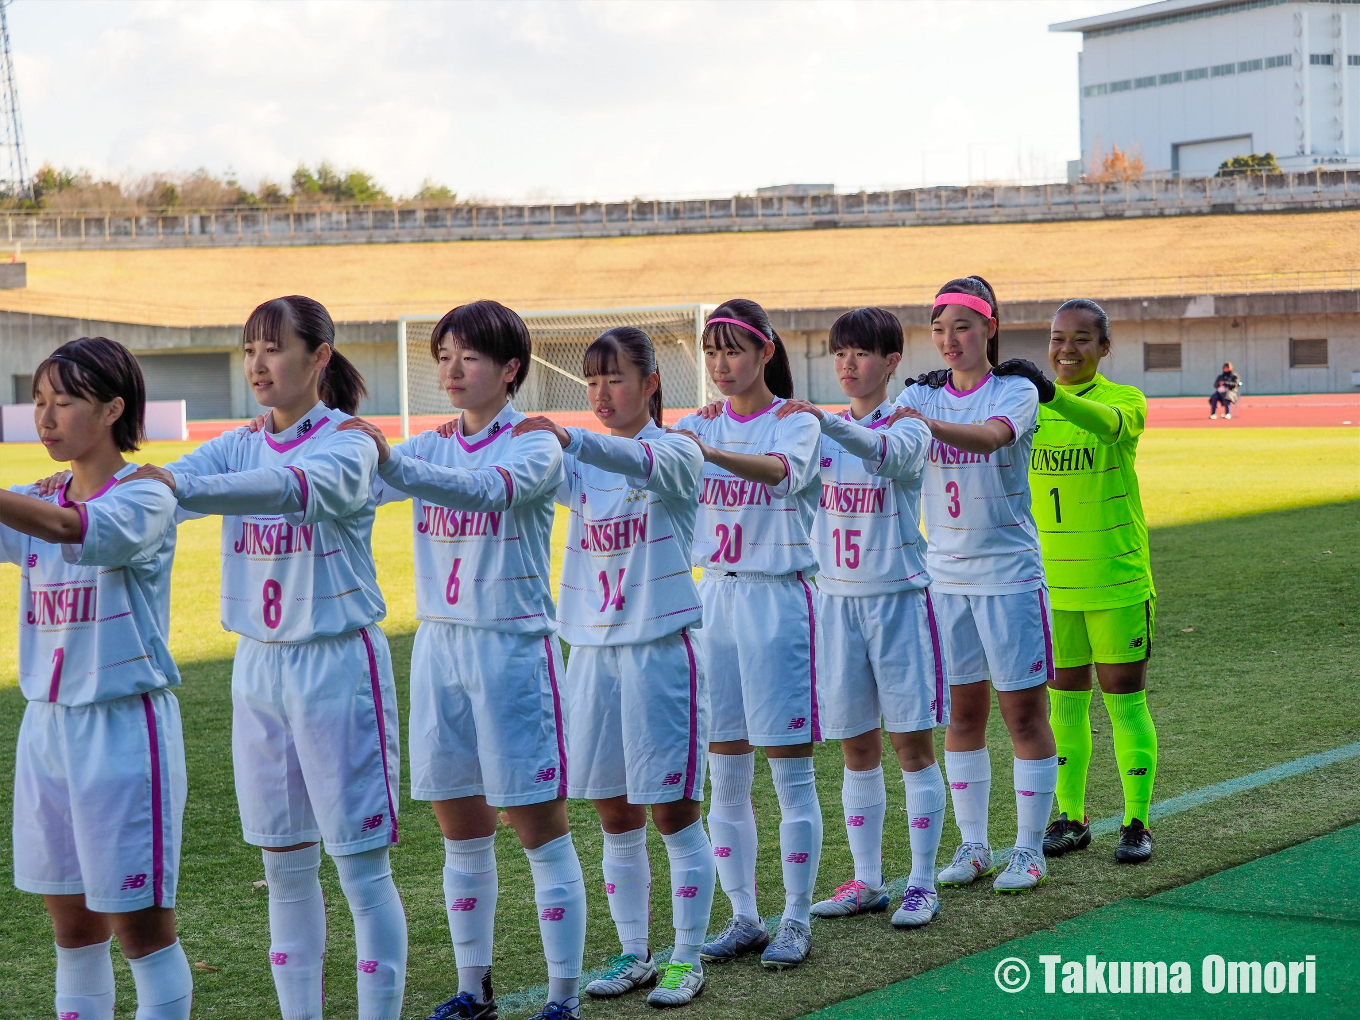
[(1008, 636), (760, 650), (881, 660), (486, 716), (99, 795), (637, 721), (314, 742)]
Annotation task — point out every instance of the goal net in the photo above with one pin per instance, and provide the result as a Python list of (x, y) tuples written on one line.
[(554, 384)]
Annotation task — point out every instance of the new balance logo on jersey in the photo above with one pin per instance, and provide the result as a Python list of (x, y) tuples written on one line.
[(1136, 643), (368, 966), (826, 462), (854, 820), (797, 858), (687, 892), (464, 903), (796, 723), (66, 605), (441, 522), (133, 882), (672, 779), (1136, 772), (276, 539), (1036, 667), (303, 427), (278, 959), (552, 914), (372, 822), (921, 822), (722, 851), (545, 775), (32, 560), (495, 427)]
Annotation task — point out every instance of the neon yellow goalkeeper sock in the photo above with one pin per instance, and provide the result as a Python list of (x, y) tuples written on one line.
[(1135, 748), (1070, 717)]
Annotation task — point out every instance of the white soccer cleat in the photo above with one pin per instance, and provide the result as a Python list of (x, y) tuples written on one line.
[(625, 973), (971, 862), (679, 986), (854, 897), (1025, 870), (919, 907)]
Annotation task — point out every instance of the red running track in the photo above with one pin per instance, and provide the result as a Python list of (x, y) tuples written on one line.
[(1299, 410)]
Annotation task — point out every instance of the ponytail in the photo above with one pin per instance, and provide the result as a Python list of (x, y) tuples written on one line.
[(603, 355), (778, 371), (341, 386), (977, 287)]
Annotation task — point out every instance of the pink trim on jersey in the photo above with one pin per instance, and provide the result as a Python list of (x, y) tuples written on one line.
[(727, 409), (1015, 432), (1048, 632), (949, 386), (788, 474), (302, 481), (509, 486), (812, 651), (157, 823), (84, 521), (557, 718), (474, 447), (876, 425), (692, 761), (62, 501), (939, 657), (278, 447), (376, 683), (651, 464)]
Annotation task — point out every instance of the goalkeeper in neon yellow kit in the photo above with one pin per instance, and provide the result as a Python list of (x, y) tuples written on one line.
[(1095, 545)]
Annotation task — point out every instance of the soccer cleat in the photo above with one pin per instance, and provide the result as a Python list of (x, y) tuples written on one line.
[(1064, 835), (1228, 415), (679, 986), (1025, 870), (465, 1006), (1135, 843), (789, 947), (737, 939), (919, 906), (568, 1010), (854, 897), (623, 974), (1213, 416), (971, 862)]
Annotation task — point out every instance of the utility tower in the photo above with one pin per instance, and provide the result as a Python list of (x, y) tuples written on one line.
[(16, 182)]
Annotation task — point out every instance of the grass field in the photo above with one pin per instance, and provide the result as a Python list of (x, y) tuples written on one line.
[(780, 269), (1256, 547)]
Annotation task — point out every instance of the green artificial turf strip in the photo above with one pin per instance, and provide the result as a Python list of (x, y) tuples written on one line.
[(1261, 679)]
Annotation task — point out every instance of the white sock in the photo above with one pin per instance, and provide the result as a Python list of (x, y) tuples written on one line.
[(470, 895), (297, 930), (925, 812), (379, 932), (560, 893), (732, 823), (1035, 782), (970, 784), (800, 833), (628, 885), (865, 800), (165, 987), (692, 878), (85, 982)]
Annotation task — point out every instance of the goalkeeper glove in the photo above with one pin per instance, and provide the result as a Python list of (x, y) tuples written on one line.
[(1028, 370)]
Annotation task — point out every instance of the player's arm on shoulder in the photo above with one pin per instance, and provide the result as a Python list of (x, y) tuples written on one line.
[(125, 526), (907, 444), (799, 444), (336, 478), (533, 466), (215, 457)]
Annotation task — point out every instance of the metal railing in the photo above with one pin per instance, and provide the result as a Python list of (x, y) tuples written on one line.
[(338, 224)]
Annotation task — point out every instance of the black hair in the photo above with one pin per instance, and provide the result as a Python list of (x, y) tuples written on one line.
[(608, 349), (489, 328), (868, 329), (1082, 304), (96, 368), (979, 288), (778, 372), (341, 386)]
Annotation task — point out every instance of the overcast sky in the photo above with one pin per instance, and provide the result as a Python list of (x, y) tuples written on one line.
[(564, 100)]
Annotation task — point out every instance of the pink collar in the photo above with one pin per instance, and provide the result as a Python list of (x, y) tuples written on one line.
[(750, 417), (949, 386), (883, 419), (494, 431), (61, 493), (278, 447)]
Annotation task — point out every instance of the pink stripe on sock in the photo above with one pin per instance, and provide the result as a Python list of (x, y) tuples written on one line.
[(376, 684), (157, 823), (692, 765), (557, 718)]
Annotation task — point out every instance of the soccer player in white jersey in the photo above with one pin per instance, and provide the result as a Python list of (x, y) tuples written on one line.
[(987, 580), (753, 541), (314, 723), (637, 700), (99, 779), (486, 705), (882, 665)]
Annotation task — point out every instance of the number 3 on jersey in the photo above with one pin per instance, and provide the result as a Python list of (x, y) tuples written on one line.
[(616, 599), (729, 544), (273, 603), (954, 507)]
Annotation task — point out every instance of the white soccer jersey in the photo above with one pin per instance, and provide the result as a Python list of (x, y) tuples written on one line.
[(980, 532), (867, 534), (626, 574), (483, 520), (94, 616), (297, 558), (748, 527)]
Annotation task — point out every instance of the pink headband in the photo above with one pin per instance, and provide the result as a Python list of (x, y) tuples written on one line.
[(977, 304), (744, 325)]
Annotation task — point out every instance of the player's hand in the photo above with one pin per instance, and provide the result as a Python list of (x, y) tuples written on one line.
[(372, 431), (906, 412), (153, 472), (48, 486), (1028, 370), (703, 447), (256, 424), (934, 380), (542, 423), (447, 430), (792, 406), (712, 410)]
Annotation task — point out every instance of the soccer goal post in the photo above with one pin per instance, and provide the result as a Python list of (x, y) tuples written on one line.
[(560, 339)]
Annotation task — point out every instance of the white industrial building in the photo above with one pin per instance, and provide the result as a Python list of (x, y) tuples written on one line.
[(1186, 84)]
